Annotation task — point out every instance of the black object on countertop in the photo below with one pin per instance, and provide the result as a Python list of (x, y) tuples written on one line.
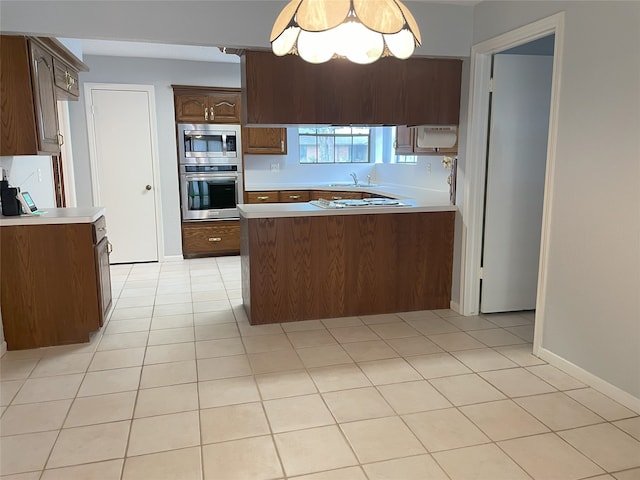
[(10, 203)]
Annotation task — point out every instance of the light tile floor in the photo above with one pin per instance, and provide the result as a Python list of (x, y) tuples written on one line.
[(178, 385)]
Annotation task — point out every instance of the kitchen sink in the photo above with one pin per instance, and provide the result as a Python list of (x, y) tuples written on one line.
[(353, 185)]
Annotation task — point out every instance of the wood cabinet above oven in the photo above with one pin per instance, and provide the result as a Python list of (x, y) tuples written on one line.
[(207, 104)]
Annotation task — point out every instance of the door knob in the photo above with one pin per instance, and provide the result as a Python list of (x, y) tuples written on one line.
[(148, 187)]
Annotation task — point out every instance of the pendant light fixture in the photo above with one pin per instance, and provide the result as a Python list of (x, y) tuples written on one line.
[(360, 30)]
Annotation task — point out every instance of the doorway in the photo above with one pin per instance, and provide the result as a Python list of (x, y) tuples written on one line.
[(121, 124), (516, 164), (476, 167)]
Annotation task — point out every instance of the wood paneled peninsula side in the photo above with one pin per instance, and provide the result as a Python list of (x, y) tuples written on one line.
[(302, 262), (55, 282)]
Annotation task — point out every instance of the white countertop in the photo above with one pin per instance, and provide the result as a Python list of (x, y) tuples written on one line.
[(55, 216), (414, 200)]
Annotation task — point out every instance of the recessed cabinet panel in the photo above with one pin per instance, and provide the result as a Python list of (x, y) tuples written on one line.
[(287, 90), (265, 141), (207, 105)]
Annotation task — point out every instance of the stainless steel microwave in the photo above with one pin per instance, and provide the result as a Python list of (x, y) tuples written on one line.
[(209, 143)]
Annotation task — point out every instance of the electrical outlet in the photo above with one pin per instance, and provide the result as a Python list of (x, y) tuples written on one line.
[(429, 168), (275, 167)]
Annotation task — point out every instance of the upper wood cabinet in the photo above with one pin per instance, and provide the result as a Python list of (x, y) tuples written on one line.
[(288, 90), (406, 144), (264, 141), (30, 73), (207, 105)]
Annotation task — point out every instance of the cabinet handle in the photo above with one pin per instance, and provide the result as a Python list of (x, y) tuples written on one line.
[(282, 146), (294, 197), (262, 199), (215, 239), (336, 198), (109, 247), (60, 139), (213, 115), (224, 102), (101, 229), (206, 113)]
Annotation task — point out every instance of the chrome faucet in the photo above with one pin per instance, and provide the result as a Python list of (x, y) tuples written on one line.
[(355, 178)]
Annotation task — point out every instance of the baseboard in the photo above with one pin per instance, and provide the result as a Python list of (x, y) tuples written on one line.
[(172, 258), (3, 348), (597, 383), (455, 306)]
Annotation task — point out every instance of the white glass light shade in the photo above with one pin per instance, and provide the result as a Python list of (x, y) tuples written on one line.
[(316, 47), (401, 44), (358, 30), (357, 43), (286, 41)]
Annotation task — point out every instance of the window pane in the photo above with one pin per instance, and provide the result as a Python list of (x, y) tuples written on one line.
[(308, 149), (326, 152)]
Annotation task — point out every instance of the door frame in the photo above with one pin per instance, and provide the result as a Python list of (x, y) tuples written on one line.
[(476, 169), (155, 158)]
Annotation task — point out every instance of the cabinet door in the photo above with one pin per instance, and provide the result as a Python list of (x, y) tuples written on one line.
[(66, 79), (45, 99), (103, 277), (210, 238), (404, 140), (224, 107), (192, 108), (270, 141)]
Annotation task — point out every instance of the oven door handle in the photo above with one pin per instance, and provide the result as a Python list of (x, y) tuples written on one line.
[(198, 177)]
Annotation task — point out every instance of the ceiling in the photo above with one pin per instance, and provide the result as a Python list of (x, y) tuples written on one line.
[(116, 48)]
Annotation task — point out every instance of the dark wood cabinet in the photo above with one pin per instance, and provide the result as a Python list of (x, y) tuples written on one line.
[(34, 74), (207, 105), (288, 90), (406, 144), (44, 95), (265, 141), (66, 80), (55, 283), (302, 268), (204, 239)]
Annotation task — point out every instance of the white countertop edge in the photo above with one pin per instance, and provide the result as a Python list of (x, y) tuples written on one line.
[(282, 210), (56, 216)]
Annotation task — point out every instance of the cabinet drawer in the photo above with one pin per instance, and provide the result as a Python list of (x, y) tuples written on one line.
[(327, 195), (262, 197), (201, 238), (99, 230), (291, 196), (66, 79)]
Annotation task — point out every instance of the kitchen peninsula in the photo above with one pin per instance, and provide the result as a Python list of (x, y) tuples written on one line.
[(54, 276), (301, 262)]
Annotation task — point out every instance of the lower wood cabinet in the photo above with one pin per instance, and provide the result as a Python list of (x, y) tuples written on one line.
[(206, 239), (55, 283)]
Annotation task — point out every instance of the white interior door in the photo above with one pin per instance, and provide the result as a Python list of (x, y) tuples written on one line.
[(515, 181), (121, 135)]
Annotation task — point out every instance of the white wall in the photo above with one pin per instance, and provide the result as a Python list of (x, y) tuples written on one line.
[(161, 74), (592, 310), (33, 174)]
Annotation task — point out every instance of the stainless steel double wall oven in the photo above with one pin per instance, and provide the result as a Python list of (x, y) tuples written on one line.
[(210, 171)]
